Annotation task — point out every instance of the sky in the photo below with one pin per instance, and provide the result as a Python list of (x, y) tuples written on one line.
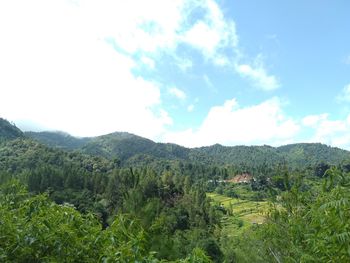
[(191, 72)]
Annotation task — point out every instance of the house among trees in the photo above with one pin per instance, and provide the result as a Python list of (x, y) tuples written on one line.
[(241, 178)]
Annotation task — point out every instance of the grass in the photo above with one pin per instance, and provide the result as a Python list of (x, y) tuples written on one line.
[(242, 214)]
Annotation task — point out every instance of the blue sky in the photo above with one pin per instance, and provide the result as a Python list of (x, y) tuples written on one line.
[(189, 72)]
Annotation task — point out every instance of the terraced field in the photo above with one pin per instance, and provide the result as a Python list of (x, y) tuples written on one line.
[(241, 213)]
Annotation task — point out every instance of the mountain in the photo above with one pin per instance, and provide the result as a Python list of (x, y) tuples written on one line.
[(125, 145), (295, 155), (22, 154), (122, 145), (239, 155), (131, 149), (303, 154), (58, 139), (8, 131)]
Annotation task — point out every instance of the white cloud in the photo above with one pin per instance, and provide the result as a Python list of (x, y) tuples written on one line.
[(60, 73), (178, 93), (161, 25), (264, 123), (150, 26), (212, 34), (258, 75), (332, 132), (314, 120), (221, 61), (190, 108), (184, 63), (344, 96), (203, 37), (230, 124), (148, 62), (64, 61), (69, 64)]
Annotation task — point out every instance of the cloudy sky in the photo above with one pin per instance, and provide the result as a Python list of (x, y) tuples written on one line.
[(192, 72)]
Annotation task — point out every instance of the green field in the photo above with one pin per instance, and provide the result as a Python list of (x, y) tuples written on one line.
[(241, 213)]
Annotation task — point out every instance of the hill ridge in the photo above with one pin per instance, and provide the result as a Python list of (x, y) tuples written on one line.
[(9, 131), (130, 148)]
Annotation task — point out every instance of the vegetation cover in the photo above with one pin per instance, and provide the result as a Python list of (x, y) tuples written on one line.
[(123, 198), (135, 150)]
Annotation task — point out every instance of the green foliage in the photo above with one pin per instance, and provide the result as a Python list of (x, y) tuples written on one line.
[(33, 229), (88, 205), (134, 150), (321, 168), (197, 256), (59, 140), (125, 241), (245, 157), (8, 131), (126, 145), (302, 155), (22, 154), (307, 227)]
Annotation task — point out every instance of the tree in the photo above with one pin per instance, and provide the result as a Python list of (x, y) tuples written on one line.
[(307, 227)]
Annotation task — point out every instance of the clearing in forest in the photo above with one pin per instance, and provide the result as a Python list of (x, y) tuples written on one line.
[(240, 213)]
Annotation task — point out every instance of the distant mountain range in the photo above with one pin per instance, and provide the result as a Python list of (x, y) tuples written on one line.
[(131, 149)]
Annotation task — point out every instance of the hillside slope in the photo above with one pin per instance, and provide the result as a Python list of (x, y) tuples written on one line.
[(303, 154), (8, 131), (240, 155), (124, 145), (131, 149), (58, 139)]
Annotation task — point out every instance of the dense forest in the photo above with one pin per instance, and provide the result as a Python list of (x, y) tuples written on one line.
[(124, 198), (134, 150)]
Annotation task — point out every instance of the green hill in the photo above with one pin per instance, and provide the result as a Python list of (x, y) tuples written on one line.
[(105, 178), (239, 155), (19, 155), (125, 145), (8, 131), (121, 145), (298, 155), (131, 149), (304, 154), (58, 139)]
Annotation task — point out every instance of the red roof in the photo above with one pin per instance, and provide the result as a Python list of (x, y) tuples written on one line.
[(241, 178)]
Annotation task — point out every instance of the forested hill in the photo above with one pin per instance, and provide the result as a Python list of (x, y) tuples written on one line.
[(115, 209), (124, 146), (303, 154), (8, 131), (135, 150), (58, 139), (299, 155), (240, 155)]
